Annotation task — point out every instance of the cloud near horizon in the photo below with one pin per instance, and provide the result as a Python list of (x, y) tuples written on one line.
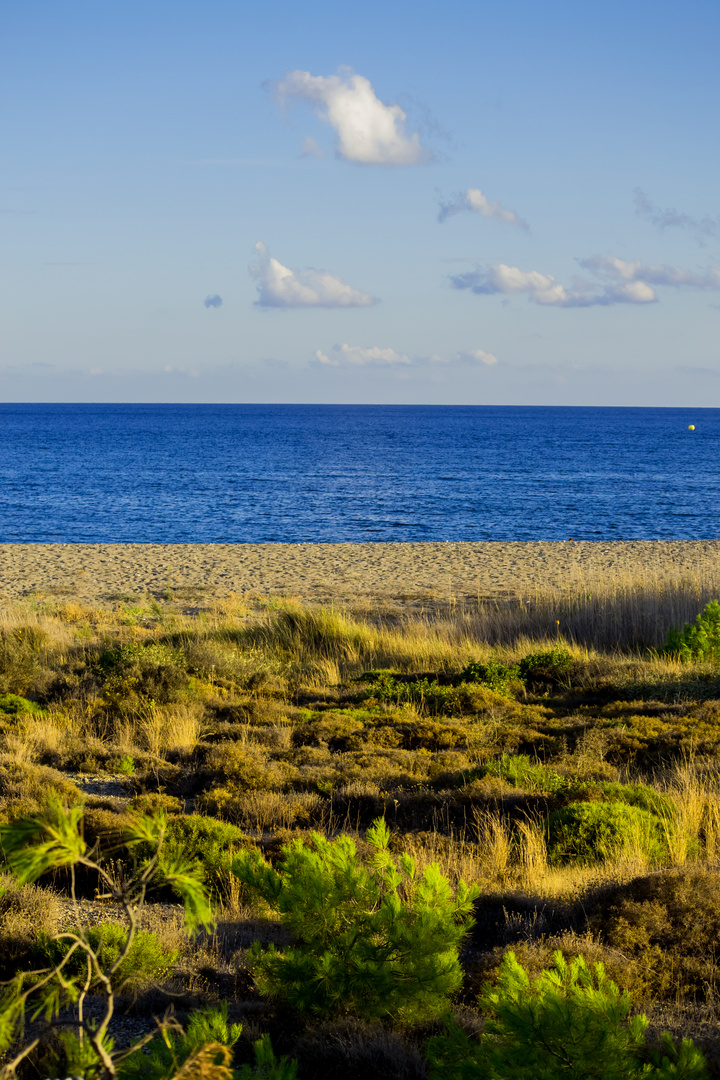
[(477, 356), (368, 131), (624, 283), (280, 287), (213, 301), (356, 356), (473, 201), (705, 228)]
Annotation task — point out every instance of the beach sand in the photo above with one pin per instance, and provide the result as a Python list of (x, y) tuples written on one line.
[(108, 573)]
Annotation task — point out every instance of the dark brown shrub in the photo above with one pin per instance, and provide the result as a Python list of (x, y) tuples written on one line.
[(670, 924)]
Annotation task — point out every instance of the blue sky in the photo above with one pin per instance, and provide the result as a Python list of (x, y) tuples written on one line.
[(481, 204)]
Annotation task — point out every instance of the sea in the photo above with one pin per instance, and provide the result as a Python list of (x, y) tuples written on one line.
[(232, 474)]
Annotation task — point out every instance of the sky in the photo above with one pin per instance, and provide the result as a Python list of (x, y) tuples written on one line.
[(399, 203)]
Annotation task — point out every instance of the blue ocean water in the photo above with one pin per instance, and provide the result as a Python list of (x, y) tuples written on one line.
[(327, 473)]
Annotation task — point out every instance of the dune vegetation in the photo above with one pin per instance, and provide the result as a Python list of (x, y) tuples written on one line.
[(280, 839)]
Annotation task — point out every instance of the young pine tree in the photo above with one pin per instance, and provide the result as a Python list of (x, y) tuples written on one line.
[(373, 939), (571, 1022)]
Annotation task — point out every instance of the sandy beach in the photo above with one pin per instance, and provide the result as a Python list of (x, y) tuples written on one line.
[(108, 573)]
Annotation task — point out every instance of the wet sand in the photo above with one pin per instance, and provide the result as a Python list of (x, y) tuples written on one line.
[(104, 573)]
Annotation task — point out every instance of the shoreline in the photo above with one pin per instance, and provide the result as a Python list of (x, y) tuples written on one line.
[(107, 573)]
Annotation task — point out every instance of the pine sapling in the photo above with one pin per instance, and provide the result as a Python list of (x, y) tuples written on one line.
[(372, 938)]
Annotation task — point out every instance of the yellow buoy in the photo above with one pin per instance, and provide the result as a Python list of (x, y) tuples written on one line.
[(691, 427)]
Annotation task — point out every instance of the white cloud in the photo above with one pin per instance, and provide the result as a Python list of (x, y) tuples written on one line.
[(478, 356), (623, 270), (500, 278), (355, 356), (622, 281), (631, 292), (281, 287), (368, 132), (472, 200)]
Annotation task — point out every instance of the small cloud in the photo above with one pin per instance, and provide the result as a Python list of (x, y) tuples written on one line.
[(705, 228), (281, 287), (473, 201), (634, 271), (368, 131), (213, 301), (374, 356), (500, 278), (309, 148), (478, 356), (355, 356)]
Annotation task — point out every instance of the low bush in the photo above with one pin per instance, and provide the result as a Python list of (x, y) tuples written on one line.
[(521, 772), (550, 666), (669, 925), (427, 694), (247, 766), (495, 675), (372, 939), (699, 640), (143, 963), (24, 788), (641, 795), (15, 705), (26, 912), (589, 832), (152, 671), (209, 844)]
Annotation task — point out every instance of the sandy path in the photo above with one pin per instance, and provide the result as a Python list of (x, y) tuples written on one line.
[(105, 572)]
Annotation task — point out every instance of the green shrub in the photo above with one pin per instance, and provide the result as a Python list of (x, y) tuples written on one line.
[(550, 666), (570, 1022), (521, 772), (14, 705), (209, 844), (699, 640), (493, 674), (145, 961), (26, 787), (588, 832), (127, 765), (641, 795), (374, 939), (425, 693)]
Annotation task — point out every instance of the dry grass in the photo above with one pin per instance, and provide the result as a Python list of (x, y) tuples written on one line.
[(175, 728)]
